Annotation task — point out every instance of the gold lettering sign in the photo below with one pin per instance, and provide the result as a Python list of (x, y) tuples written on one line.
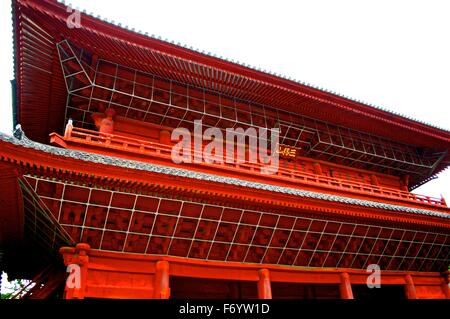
[(286, 151)]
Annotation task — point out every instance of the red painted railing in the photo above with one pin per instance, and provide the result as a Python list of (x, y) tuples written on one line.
[(137, 146)]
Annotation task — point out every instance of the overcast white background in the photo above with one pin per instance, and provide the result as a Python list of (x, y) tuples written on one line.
[(394, 54)]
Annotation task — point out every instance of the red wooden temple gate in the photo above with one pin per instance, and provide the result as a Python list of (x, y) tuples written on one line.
[(100, 188)]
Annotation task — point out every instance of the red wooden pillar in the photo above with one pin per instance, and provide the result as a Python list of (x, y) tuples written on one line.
[(68, 256), (405, 182), (410, 289), (164, 137), (446, 284), (345, 287), (77, 281), (264, 289), (446, 289), (161, 284), (443, 201), (374, 180), (317, 169)]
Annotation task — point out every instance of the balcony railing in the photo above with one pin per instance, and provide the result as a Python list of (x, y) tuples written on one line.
[(152, 149)]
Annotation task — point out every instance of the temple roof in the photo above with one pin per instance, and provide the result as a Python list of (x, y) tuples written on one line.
[(41, 93)]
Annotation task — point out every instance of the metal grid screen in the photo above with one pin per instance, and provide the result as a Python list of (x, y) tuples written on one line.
[(126, 222), (94, 86), (40, 225)]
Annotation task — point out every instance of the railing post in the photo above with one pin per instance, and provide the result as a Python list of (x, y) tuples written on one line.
[(446, 284), (69, 128), (164, 137)]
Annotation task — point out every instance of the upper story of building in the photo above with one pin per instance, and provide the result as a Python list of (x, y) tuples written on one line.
[(71, 71)]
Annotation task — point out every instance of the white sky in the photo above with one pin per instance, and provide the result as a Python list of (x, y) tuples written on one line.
[(393, 54)]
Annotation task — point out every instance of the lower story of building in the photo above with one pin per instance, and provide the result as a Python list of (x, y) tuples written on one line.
[(123, 275), (149, 231)]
